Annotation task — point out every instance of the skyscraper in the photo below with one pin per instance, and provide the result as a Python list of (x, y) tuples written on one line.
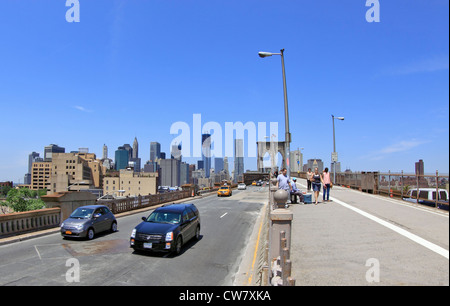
[(121, 161), (33, 157), (105, 151), (206, 153), (155, 151), (135, 161), (175, 152), (170, 172), (218, 164), (238, 159), (49, 150), (135, 153)]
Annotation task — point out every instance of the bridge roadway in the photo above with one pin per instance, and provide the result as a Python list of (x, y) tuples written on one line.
[(356, 239), (107, 260), (393, 242)]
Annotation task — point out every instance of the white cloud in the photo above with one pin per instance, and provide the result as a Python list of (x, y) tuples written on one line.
[(82, 109), (401, 146), (432, 64)]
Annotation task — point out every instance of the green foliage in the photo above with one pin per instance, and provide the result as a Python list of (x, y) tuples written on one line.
[(4, 190), (24, 199)]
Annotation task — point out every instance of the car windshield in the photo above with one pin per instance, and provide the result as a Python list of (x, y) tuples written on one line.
[(164, 217), (82, 213)]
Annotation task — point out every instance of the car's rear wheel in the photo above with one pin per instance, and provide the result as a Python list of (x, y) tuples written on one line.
[(178, 245), (114, 227), (197, 233), (90, 234)]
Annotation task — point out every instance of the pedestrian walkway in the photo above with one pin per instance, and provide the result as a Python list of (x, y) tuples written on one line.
[(363, 239)]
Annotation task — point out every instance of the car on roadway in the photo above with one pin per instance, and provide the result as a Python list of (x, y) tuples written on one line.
[(427, 196), (224, 191), (241, 186), (87, 221), (254, 183), (167, 229)]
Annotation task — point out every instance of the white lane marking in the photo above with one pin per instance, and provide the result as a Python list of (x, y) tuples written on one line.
[(433, 247), (39, 254), (223, 215)]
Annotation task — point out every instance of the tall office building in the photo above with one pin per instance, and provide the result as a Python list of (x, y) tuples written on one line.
[(175, 152), (218, 164), (50, 149), (33, 157), (184, 173), (420, 169), (121, 161), (200, 164), (313, 163), (135, 148), (105, 151), (206, 153), (225, 165), (170, 172), (155, 151), (238, 160), (135, 161), (129, 150), (296, 161)]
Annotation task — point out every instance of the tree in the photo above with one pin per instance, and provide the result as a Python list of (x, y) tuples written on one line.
[(24, 199), (4, 190)]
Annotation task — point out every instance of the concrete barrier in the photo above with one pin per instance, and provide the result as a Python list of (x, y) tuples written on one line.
[(29, 221)]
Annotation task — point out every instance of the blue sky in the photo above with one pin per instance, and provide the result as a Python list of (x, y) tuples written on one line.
[(131, 68)]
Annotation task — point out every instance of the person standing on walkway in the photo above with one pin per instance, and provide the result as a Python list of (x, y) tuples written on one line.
[(283, 182), (308, 179), (326, 185), (316, 180)]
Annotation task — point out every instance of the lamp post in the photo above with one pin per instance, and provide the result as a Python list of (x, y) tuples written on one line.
[(77, 183), (287, 146), (334, 157)]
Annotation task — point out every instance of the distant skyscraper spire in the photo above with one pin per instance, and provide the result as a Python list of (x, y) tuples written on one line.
[(135, 148), (105, 151)]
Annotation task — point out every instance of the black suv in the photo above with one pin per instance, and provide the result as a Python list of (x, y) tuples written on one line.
[(167, 228)]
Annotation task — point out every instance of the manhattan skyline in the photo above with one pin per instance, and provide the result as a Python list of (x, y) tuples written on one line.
[(132, 69)]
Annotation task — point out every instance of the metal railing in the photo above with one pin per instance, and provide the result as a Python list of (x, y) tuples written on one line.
[(397, 185), (128, 204)]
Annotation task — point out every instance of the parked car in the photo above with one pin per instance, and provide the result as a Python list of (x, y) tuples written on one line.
[(241, 186), (427, 196), (167, 228), (86, 221), (224, 191)]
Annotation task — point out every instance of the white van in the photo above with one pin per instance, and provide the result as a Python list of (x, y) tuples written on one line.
[(428, 196)]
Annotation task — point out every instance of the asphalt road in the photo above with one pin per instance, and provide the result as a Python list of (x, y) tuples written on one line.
[(227, 224)]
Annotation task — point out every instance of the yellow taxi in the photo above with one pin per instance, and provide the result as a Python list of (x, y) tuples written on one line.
[(254, 183), (224, 191)]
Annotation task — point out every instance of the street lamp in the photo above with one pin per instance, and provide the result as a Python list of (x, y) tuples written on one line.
[(287, 146), (334, 157), (77, 183)]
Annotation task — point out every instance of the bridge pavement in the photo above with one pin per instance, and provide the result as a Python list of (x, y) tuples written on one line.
[(363, 239)]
